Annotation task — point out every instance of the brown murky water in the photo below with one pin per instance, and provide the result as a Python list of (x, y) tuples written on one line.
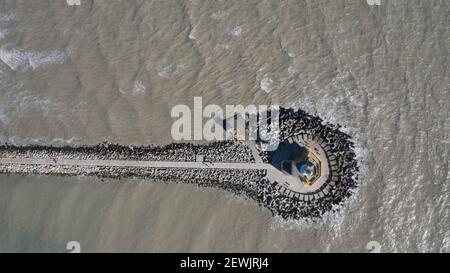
[(112, 70)]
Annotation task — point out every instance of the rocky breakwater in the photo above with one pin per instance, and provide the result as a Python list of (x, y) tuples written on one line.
[(342, 179), (251, 183), (224, 151)]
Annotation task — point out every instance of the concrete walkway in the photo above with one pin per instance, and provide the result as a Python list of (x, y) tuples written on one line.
[(288, 183), (130, 163), (273, 174)]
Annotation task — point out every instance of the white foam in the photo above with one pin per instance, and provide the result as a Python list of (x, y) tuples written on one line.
[(220, 15), (222, 46), (41, 58), (66, 141), (16, 140), (9, 16), (235, 31), (18, 59), (266, 84), (167, 69), (138, 88), (73, 2)]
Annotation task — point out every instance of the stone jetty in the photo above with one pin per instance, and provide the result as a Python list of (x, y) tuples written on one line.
[(229, 165)]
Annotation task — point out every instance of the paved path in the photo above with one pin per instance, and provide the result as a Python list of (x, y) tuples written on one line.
[(273, 174), (288, 182), (130, 163)]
